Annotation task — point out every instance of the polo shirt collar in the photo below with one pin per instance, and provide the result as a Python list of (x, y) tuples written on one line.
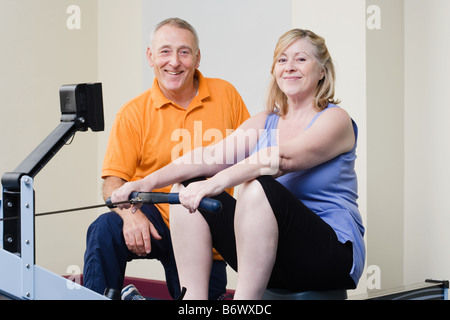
[(160, 100)]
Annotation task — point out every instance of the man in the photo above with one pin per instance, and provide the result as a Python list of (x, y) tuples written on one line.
[(147, 133)]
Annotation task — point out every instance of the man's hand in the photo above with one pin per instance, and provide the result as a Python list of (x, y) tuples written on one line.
[(137, 230)]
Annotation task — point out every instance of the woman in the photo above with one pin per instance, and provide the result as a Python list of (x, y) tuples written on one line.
[(295, 224)]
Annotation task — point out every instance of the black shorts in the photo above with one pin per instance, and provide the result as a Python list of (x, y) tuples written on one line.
[(309, 255)]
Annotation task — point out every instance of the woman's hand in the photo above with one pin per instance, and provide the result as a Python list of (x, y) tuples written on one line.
[(123, 194), (191, 196)]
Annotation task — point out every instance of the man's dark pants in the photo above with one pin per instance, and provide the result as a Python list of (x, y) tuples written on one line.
[(107, 255)]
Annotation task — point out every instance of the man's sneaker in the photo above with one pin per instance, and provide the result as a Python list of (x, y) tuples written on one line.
[(131, 293)]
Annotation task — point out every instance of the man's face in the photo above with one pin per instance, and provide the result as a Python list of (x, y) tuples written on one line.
[(174, 57)]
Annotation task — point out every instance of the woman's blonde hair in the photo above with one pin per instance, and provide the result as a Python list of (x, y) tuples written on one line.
[(276, 99)]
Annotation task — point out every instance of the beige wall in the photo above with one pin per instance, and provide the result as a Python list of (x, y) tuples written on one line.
[(39, 54), (427, 140), (386, 79), (385, 139)]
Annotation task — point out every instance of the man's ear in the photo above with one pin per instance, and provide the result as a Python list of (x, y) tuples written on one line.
[(198, 59), (149, 57)]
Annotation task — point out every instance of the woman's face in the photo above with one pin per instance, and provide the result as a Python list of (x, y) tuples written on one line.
[(297, 70)]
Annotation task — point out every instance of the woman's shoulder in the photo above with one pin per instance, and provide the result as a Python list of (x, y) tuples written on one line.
[(336, 113), (256, 121)]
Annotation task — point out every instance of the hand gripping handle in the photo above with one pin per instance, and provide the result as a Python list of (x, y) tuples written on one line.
[(207, 204)]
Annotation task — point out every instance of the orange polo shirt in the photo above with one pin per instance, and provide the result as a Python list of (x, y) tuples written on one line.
[(150, 131)]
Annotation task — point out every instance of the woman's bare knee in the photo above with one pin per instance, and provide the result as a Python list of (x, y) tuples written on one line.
[(177, 187), (251, 190)]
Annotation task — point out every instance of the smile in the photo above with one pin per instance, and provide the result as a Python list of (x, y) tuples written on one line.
[(174, 73), (292, 78)]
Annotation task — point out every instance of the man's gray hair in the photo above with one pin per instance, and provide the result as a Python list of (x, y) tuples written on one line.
[(179, 23)]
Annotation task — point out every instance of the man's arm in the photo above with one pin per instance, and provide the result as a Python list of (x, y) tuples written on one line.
[(109, 185), (136, 227)]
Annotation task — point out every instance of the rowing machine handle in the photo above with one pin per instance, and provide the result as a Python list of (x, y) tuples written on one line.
[(207, 204)]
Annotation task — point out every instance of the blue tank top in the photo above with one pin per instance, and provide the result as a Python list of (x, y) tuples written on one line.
[(329, 190)]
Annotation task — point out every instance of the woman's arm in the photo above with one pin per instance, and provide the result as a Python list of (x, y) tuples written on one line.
[(264, 162), (205, 162), (332, 134)]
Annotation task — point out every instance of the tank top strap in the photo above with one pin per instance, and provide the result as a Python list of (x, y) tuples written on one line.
[(330, 105), (271, 121)]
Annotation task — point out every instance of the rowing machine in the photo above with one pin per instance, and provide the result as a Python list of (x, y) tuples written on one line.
[(81, 108)]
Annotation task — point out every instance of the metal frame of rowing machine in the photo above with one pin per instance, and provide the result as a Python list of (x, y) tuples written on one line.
[(21, 277), (81, 108)]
